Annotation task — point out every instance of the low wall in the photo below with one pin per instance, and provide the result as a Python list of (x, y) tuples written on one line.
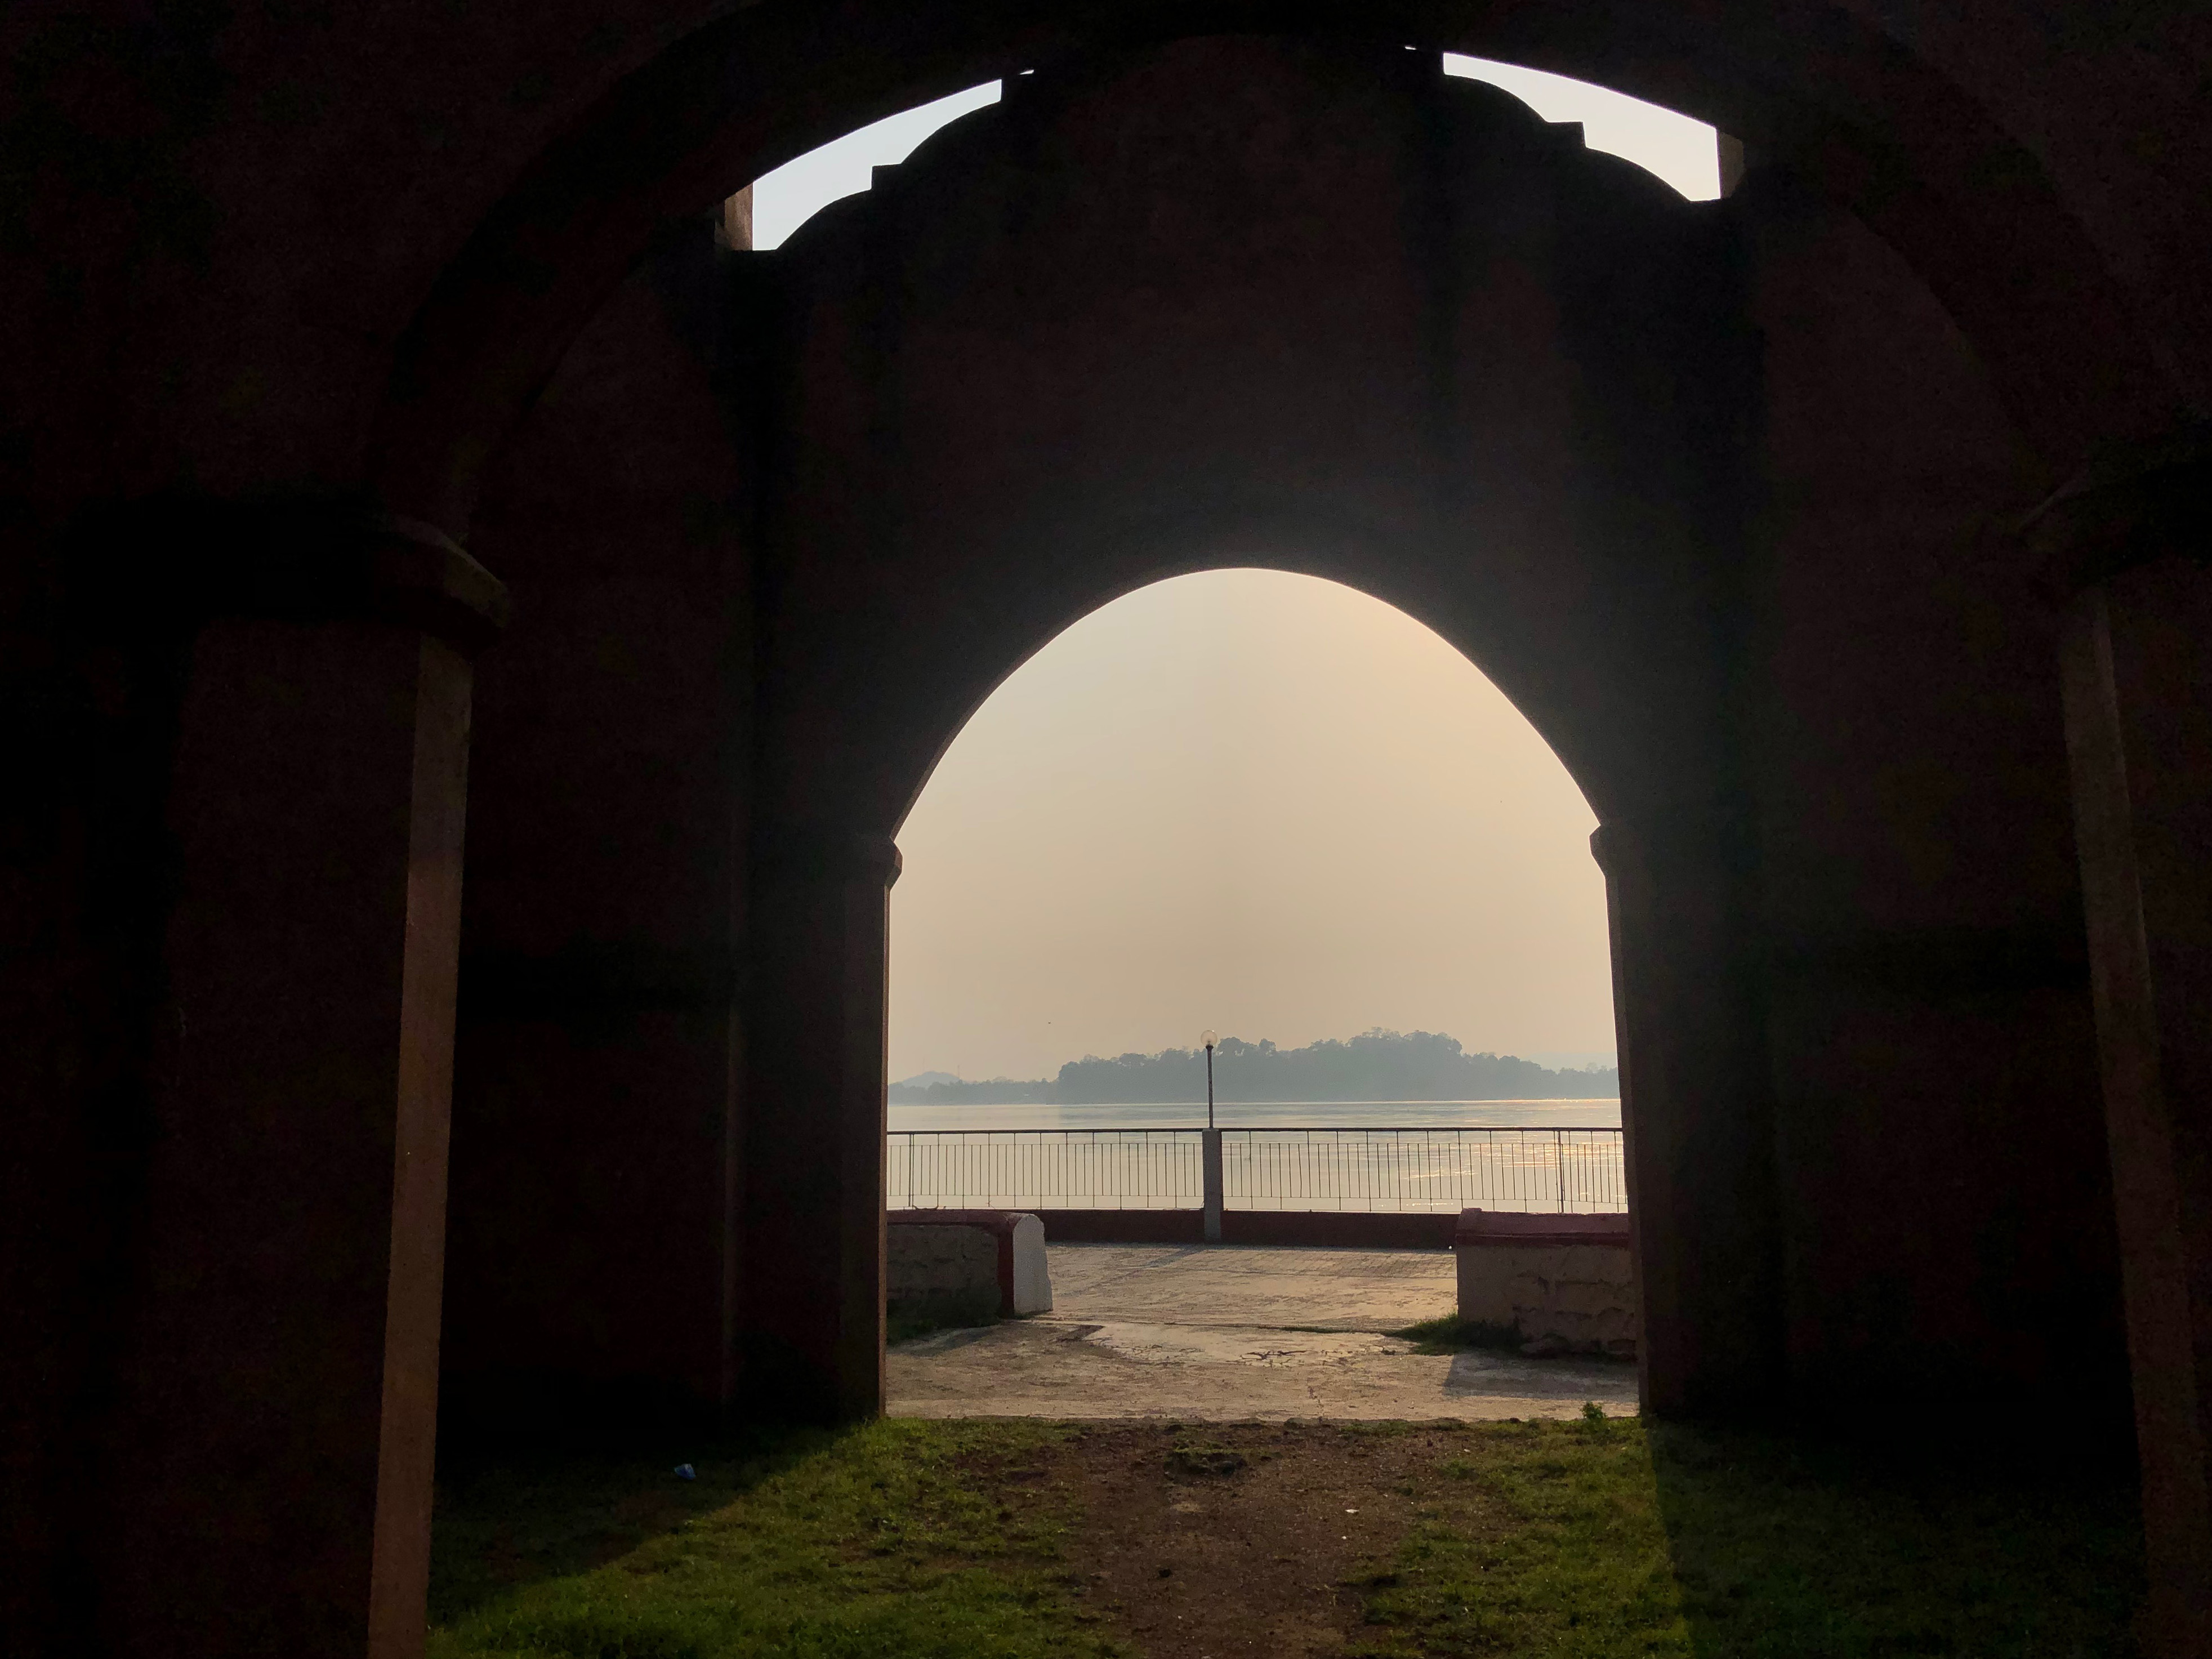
[(1564, 1280), (1345, 1230), (958, 1259)]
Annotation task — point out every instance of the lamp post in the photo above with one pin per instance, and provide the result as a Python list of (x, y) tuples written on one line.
[(1211, 1161), (1209, 1040)]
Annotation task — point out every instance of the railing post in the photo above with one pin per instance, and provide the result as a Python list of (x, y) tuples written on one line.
[(1211, 1163), (1559, 1169)]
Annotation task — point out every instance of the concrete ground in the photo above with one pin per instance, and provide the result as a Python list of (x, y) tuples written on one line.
[(1236, 1333)]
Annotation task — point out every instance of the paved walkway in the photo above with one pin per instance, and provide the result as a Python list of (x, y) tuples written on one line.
[(1234, 1334)]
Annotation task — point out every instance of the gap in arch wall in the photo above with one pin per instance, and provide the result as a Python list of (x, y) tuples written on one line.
[(1679, 148), (1253, 800)]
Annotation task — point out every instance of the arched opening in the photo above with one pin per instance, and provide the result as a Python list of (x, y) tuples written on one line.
[(1265, 803), (1254, 801), (1515, 413), (1308, 423)]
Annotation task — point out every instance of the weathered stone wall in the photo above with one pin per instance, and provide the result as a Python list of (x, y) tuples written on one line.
[(939, 1259), (935, 1264), (1580, 1297)]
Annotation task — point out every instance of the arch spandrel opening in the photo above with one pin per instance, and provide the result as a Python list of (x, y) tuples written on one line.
[(1684, 152)]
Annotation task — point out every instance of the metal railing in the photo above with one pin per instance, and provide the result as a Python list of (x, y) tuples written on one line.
[(1426, 1169), (1042, 1170)]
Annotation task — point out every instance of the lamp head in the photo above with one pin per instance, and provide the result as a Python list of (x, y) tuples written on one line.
[(1208, 1038)]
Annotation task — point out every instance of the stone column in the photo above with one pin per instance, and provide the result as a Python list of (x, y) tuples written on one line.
[(2138, 684), (812, 1332), (2124, 545), (258, 1427), (1696, 1108)]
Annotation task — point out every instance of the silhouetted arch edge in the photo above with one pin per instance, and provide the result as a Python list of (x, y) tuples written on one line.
[(1332, 561), (1853, 112)]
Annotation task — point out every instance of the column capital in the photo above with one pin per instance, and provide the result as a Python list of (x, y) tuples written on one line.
[(796, 852), (173, 562), (2134, 504), (1686, 829)]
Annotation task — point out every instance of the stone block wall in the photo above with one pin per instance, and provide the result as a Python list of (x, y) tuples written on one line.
[(966, 1259), (1565, 1279)]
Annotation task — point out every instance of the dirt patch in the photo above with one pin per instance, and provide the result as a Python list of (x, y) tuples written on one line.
[(1205, 1540)]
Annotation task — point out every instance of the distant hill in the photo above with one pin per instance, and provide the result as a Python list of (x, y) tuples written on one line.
[(1378, 1065)]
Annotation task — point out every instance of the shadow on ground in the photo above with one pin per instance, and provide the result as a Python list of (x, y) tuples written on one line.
[(1782, 1545), (508, 1521)]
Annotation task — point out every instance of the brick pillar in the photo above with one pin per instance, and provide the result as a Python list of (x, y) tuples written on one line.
[(812, 1332), (264, 1418), (1696, 1108), (2138, 686)]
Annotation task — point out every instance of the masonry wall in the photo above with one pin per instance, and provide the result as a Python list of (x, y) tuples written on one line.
[(592, 1259), (1578, 1298), (1251, 302), (1678, 477), (1239, 301), (1946, 1195), (1681, 478)]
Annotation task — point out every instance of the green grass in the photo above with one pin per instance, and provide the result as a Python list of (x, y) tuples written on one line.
[(883, 1541), (1597, 1539)]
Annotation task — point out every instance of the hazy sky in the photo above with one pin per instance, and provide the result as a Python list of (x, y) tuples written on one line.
[(1259, 802), (1246, 800)]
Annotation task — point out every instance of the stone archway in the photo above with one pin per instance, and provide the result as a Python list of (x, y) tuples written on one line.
[(1974, 265), (1334, 312), (931, 505)]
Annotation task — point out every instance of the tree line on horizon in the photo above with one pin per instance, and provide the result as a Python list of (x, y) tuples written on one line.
[(1377, 1064)]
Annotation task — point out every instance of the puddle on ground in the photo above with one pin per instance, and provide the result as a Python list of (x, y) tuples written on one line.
[(1238, 1345)]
